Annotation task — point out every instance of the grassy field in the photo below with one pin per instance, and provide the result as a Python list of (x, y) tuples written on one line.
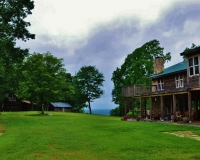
[(28, 135)]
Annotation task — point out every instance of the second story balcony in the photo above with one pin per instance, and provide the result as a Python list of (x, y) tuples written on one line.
[(138, 90)]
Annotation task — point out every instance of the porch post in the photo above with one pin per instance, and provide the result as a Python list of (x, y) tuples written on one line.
[(183, 104), (141, 107), (195, 108), (189, 105), (174, 104), (132, 107), (125, 106), (145, 111), (150, 108), (162, 106)]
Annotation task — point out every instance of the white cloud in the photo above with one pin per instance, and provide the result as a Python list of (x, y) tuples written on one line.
[(191, 27), (104, 32), (77, 16)]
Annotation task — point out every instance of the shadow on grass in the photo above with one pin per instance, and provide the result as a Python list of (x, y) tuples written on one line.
[(38, 114)]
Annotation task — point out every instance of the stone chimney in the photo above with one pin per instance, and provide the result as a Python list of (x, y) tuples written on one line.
[(158, 65)]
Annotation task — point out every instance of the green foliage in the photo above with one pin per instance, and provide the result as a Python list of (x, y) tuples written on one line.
[(12, 27), (44, 79), (136, 114), (185, 120), (193, 46), (114, 112), (12, 15), (83, 136), (88, 82), (136, 68)]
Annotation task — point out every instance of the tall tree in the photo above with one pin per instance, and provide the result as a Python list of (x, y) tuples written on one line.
[(88, 85), (12, 15), (44, 79), (136, 68), (12, 27)]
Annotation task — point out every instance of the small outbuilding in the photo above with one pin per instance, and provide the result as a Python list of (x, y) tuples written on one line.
[(61, 106)]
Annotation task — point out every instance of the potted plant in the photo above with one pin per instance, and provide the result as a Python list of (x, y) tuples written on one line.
[(174, 118), (185, 119)]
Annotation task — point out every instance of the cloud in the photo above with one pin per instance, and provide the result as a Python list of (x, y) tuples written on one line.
[(105, 44)]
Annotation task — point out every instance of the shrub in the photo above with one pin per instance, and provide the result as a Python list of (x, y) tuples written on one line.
[(174, 118), (114, 112), (135, 113), (126, 117), (138, 118), (129, 114), (185, 120)]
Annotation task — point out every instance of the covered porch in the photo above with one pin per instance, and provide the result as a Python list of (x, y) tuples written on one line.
[(164, 104)]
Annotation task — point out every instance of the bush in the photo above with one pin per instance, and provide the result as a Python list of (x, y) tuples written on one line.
[(174, 118), (138, 118), (185, 120), (126, 117), (135, 114), (129, 114), (114, 112)]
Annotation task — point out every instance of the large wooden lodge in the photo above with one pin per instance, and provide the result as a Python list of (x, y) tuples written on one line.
[(175, 89)]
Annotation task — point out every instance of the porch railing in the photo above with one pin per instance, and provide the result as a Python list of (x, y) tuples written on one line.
[(138, 89), (128, 91), (144, 89)]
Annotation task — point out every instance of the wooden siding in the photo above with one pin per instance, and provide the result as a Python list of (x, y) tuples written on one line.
[(170, 82), (193, 82)]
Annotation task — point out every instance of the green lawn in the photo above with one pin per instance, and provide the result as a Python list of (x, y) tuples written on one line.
[(28, 135)]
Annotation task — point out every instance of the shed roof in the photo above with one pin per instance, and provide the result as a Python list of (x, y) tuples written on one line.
[(170, 70), (61, 104)]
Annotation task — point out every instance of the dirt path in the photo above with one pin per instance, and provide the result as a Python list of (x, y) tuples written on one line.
[(188, 134)]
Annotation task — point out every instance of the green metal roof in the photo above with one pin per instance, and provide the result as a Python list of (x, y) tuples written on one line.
[(170, 70)]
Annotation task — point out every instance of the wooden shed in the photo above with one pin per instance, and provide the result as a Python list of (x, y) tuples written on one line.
[(61, 106)]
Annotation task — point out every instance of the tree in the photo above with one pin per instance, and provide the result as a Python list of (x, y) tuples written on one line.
[(114, 112), (44, 79), (88, 81), (12, 15), (12, 27), (136, 68), (188, 49)]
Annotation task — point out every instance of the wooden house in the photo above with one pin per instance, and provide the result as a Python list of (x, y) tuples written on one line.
[(175, 89), (13, 103)]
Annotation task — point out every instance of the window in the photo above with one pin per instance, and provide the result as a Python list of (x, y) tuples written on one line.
[(179, 81), (160, 84), (193, 66)]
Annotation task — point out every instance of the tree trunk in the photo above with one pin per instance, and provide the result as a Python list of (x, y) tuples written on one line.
[(42, 112), (89, 107)]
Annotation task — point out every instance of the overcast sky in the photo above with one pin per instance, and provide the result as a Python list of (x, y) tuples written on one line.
[(104, 32)]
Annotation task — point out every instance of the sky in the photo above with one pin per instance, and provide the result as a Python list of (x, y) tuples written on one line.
[(102, 33)]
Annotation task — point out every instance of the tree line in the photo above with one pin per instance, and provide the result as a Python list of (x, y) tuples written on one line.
[(42, 77), (39, 77)]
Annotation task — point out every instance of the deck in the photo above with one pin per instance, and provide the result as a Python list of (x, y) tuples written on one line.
[(139, 90)]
